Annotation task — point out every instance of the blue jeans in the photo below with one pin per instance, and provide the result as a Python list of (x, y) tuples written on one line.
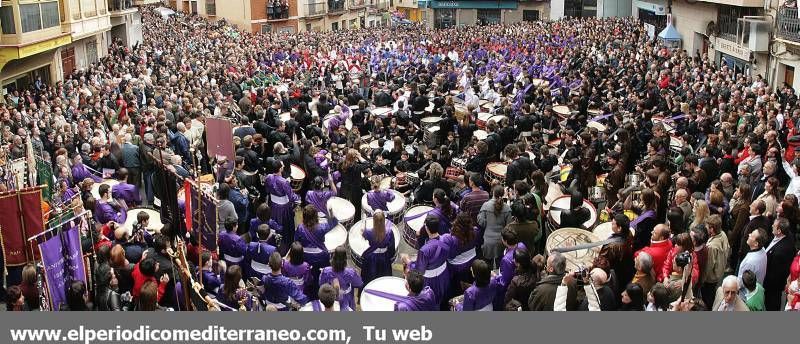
[(148, 187)]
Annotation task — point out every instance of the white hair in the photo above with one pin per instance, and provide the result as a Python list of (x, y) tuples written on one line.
[(731, 280)]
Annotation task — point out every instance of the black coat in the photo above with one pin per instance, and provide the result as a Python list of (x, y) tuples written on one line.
[(779, 258)]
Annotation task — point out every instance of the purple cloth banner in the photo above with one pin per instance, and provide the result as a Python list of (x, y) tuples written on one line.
[(62, 258), (209, 223)]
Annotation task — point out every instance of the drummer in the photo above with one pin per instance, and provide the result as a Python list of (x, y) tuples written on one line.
[(263, 214), (381, 251), (319, 197), (378, 199), (256, 258), (282, 200), (107, 209), (311, 234), (343, 278), (577, 214), (123, 191), (280, 292), (420, 296), (231, 245), (432, 261), (615, 179)]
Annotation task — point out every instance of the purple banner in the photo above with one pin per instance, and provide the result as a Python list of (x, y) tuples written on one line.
[(62, 258), (209, 223)]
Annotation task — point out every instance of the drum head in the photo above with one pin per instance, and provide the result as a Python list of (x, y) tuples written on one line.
[(675, 143), (497, 168), (285, 116), (603, 231), (566, 237), (417, 223), (398, 204), (297, 173), (342, 209), (562, 203), (96, 187), (480, 135), (497, 119), (153, 225), (382, 111), (561, 110), (392, 285), (336, 237), (433, 129), (430, 120), (553, 193), (386, 183), (357, 242), (597, 125), (484, 116)]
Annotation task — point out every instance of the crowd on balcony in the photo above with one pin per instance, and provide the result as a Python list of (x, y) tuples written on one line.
[(278, 9)]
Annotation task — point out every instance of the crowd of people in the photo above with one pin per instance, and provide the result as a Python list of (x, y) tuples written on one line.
[(692, 165)]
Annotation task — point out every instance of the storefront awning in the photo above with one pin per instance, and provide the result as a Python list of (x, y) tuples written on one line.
[(669, 33)]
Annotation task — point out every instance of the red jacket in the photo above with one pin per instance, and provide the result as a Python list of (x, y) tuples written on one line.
[(658, 251), (138, 280), (667, 269)]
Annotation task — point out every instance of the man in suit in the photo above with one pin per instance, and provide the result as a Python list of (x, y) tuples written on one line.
[(767, 171), (757, 220), (727, 298), (780, 253)]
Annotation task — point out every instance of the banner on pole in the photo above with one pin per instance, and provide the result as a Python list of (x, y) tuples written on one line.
[(62, 258)]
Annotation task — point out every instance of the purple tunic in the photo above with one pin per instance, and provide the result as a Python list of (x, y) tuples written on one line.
[(319, 199), (314, 250), (273, 226), (126, 192), (508, 267), (432, 263), (281, 201), (425, 301), (461, 255), (348, 280), (256, 259), (231, 248), (211, 282), (379, 255), (479, 299), (278, 290), (379, 199), (80, 172), (299, 274), (68, 195), (104, 213)]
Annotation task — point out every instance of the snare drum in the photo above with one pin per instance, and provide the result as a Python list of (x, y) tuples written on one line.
[(358, 244), (540, 83), (342, 209), (633, 179), (483, 117), (480, 135), (562, 111), (297, 177), (553, 193), (497, 119), (562, 203), (96, 187), (675, 147), (431, 136), (459, 163), (382, 112), (486, 105), (412, 178), (336, 237), (389, 285), (413, 221), (667, 127), (597, 194), (429, 122), (566, 237), (154, 224), (386, 183), (496, 172), (395, 207), (597, 125)]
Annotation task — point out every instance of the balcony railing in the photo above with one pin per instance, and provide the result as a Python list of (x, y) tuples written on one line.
[(316, 9), (119, 5), (335, 6), (277, 10), (788, 24), (358, 3)]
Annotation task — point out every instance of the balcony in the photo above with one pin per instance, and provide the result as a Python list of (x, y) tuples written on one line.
[(788, 24), (277, 11), (146, 2), (356, 4), (315, 9), (335, 7)]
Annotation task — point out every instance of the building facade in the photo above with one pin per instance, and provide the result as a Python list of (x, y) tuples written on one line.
[(444, 14), (88, 23)]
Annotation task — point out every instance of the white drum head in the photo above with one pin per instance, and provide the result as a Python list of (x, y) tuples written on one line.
[(561, 110), (153, 225), (433, 129), (498, 169), (336, 237), (480, 135), (419, 222), (553, 193), (398, 204), (382, 111), (297, 173), (597, 125), (96, 187), (392, 285), (563, 203), (357, 242), (342, 209), (484, 116), (497, 119), (386, 183), (603, 230), (675, 142), (430, 120)]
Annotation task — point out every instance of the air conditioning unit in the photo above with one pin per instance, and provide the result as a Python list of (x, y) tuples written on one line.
[(753, 33)]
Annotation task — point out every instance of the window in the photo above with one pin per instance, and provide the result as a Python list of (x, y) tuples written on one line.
[(211, 7), (530, 15), (728, 17), (7, 19), (308, 27), (335, 26), (31, 17), (91, 52), (89, 8), (50, 16), (266, 28)]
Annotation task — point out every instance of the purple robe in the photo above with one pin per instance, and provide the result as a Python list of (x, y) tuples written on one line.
[(379, 256), (68, 195), (299, 274), (231, 248), (348, 280), (211, 282), (126, 192), (379, 199), (319, 199), (479, 299), (508, 267), (80, 172), (255, 222), (425, 301), (256, 259), (314, 250), (461, 255), (281, 201), (104, 213), (432, 263), (278, 290)]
